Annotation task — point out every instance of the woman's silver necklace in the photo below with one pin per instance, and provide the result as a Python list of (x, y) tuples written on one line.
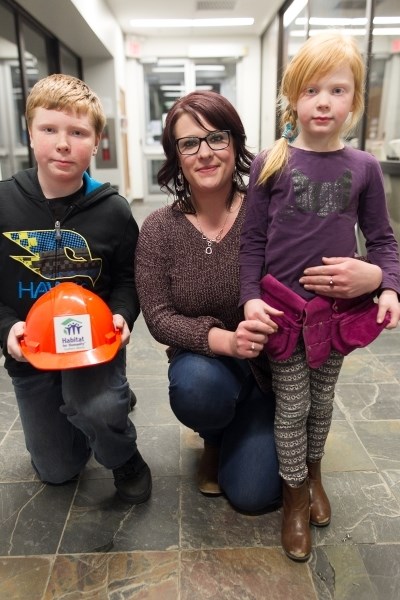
[(211, 241)]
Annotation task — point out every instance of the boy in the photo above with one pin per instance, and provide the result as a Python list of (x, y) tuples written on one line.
[(57, 224)]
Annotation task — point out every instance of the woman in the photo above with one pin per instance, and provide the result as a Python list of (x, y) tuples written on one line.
[(187, 276)]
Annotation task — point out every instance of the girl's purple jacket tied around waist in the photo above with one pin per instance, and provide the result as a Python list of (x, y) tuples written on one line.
[(325, 323)]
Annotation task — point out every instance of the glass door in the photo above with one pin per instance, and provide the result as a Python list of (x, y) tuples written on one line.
[(167, 79)]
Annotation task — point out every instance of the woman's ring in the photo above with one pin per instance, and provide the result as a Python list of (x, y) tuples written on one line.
[(252, 346), (331, 284)]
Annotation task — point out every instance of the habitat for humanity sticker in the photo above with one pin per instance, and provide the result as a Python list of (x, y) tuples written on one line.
[(72, 333)]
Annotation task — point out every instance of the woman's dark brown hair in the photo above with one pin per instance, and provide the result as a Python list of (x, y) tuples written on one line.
[(215, 109)]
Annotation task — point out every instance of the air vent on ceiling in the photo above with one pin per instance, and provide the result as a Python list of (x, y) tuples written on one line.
[(215, 5)]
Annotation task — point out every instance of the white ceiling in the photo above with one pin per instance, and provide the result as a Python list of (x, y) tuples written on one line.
[(261, 11)]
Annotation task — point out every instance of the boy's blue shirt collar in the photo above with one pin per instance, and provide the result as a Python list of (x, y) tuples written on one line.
[(90, 183)]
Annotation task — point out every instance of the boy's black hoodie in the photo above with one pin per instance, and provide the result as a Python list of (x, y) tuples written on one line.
[(90, 240)]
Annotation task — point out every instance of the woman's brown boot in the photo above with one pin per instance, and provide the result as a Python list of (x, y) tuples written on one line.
[(207, 475), (296, 534), (320, 508)]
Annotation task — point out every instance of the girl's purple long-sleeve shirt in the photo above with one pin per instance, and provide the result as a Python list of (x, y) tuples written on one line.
[(309, 211)]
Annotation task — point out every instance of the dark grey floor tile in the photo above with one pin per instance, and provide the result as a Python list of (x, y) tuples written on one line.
[(382, 564), (152, 406), (387, 343), (392, 364), (392, 478), (339, 574), (5, 381), (211, 522), (15, 462), (364, 368), (8, 410), (100, 522), (382, 441), (363, 510), (33, 517), (344, 450), (369, 401)]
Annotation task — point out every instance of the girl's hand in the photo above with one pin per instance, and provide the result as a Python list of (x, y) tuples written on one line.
[(388, 303), (260, 311), (341, 277)]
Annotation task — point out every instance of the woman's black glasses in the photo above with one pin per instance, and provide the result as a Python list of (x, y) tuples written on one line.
[(216, 140)]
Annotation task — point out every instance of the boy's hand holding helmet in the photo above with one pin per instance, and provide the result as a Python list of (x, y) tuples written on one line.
[(70, 327)]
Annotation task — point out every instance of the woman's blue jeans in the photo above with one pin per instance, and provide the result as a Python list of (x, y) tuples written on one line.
[(67, 415), (220, 399)]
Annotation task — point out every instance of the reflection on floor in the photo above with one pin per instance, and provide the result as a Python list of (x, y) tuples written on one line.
[(80, 542)]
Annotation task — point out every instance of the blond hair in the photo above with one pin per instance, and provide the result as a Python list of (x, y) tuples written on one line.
[(65, 93), (318, 56)]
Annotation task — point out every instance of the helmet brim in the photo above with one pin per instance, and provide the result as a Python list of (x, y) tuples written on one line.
[(71, 360)]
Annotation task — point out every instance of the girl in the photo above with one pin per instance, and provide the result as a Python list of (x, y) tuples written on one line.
[(305, 197)]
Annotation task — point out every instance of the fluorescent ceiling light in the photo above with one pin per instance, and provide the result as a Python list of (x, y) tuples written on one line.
[(209, 68), (171, 88), (386, 20), (294, 9), (171, 94), (156, 23), (168, 69), (328, 21), (355, 32), (168, 62), (347, 31), (321, 21), (386, 31)]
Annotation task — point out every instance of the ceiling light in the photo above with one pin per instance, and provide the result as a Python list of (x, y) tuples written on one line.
[(209, 68), (386, 20), (354, 32), (329, 21), (168, 69), (168, 62), (156, 23), (386, 31), (337, 21), (171, 88)]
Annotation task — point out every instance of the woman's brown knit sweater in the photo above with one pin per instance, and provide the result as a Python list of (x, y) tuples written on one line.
[(183, 291)]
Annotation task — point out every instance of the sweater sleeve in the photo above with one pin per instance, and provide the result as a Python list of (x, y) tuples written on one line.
[(155, 251), (254, 235)]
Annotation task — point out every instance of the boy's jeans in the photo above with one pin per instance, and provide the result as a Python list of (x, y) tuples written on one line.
[(68, 414)]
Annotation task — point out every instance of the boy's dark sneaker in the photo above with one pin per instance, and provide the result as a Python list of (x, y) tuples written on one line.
[(132, 400), (133, 480)]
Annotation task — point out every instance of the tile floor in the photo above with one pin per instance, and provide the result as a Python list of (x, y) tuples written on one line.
[(80, 542)]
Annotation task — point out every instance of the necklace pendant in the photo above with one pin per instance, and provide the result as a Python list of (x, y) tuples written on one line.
[(209, 247)]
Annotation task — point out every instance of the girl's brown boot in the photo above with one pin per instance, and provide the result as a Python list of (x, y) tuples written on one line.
[(296, 534), (320, 508)]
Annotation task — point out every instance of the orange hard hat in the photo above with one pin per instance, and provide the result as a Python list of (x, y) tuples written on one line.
[(69, 327)]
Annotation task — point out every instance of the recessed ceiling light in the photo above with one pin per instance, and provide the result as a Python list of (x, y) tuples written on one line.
[(156, 23)]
